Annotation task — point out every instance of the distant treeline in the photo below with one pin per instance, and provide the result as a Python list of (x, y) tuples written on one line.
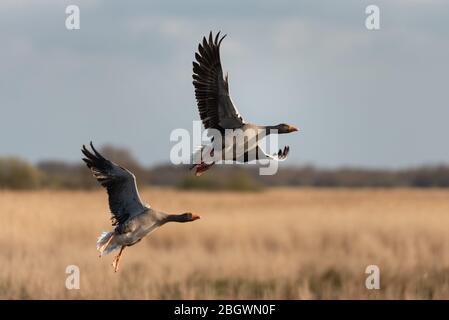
[(19, 174), (422, 177)]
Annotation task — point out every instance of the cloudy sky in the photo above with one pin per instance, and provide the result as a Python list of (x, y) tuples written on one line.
[(364, 98)]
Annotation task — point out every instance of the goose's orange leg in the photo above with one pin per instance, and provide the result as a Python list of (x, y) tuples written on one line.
[(203, 167), (116, 261)]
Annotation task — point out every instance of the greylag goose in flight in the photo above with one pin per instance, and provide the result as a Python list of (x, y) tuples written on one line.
[(132, 219), (217, 111)]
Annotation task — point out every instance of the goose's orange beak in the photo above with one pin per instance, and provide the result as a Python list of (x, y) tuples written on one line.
[(195, 217), (292, 128)]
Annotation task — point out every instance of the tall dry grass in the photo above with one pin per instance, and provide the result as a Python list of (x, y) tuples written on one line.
[(280, 244)]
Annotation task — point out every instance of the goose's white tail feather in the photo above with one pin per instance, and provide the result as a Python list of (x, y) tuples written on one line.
[(196, 156), (103, 238)]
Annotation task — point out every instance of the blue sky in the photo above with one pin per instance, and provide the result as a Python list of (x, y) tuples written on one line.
[(363, 98)]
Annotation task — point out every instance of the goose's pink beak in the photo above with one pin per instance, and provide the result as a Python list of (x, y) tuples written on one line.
[(292, 129), (195, 217)]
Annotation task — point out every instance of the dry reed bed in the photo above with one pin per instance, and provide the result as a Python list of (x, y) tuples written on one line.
[(281, 244)]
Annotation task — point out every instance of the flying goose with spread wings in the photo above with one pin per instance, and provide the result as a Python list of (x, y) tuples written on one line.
[(220, 116), (132, 219)]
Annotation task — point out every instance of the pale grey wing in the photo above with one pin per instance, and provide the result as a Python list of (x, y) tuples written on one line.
[(215, 105), (280, 156), (124, 199)]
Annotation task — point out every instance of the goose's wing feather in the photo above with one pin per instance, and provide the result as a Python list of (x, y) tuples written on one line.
[(124, 199), (212, 89), (280, 156)]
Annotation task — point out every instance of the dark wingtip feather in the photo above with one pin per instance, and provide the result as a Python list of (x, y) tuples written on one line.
[(210, 38), (222, 39), (88, 163), (98, 154), (86, 152), (216, 38)]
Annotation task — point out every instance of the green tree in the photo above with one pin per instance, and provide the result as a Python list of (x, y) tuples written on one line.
[(18, 174)]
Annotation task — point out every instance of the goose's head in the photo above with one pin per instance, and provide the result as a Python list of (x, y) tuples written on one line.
[(189, 216), (285, 128)]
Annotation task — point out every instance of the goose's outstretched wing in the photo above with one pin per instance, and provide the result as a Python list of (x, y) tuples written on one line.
[(124, 199), (280, 156), (212, 89)]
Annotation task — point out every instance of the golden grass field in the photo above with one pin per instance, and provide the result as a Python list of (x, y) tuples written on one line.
[(284, 243)]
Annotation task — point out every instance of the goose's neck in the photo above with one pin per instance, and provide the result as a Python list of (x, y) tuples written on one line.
[(174, 218), (268, 129)]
